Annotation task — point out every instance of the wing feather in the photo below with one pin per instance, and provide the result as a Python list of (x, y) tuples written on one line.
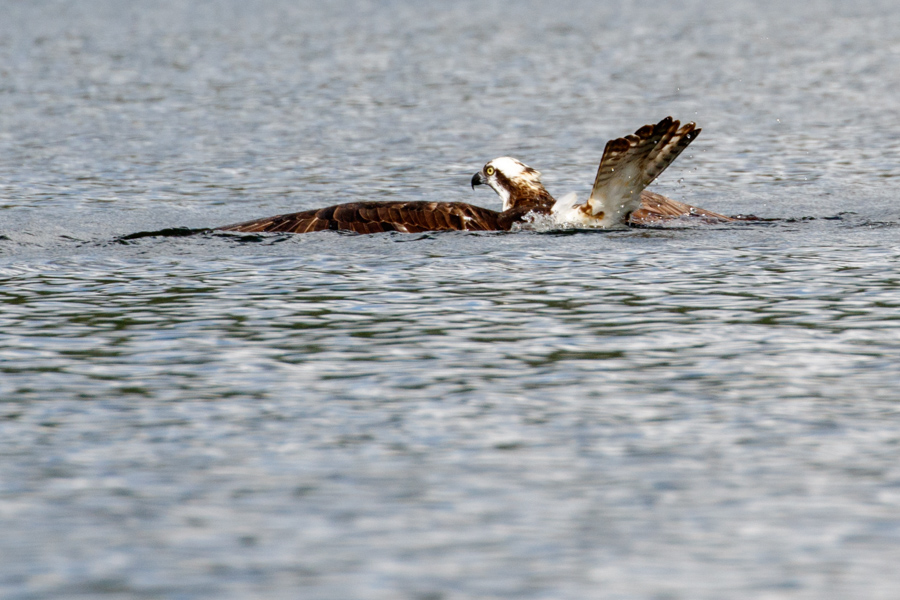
[(656, 208), (631, 163), (374, 217)]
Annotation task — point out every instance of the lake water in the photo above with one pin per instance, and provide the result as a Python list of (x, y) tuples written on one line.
[(666, 414)]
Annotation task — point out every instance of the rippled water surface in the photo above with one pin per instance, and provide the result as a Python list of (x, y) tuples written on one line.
[(677, 413)]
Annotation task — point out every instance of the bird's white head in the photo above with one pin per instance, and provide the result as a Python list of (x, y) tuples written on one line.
[(516, 183)]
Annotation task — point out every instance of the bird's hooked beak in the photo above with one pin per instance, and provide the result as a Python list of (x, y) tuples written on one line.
[(478, 179)]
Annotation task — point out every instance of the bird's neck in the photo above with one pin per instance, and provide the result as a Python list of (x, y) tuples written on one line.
[(533, 196)]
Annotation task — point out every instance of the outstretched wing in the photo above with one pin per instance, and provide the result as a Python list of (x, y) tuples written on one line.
[(656, 209), (630, 164), (375, 217), (299, 222)]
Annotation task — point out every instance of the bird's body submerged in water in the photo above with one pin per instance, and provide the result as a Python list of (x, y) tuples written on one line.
[(617, 199)]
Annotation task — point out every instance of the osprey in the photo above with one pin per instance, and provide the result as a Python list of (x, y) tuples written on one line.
[(618, 199)]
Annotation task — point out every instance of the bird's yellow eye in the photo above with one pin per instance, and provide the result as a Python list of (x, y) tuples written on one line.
[(489, 171)]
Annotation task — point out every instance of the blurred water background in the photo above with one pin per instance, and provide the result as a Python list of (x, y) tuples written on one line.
[(680, 413)]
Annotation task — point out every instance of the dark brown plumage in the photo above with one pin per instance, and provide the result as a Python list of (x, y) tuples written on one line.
[(375, 217), (654, 147), (656, 208)]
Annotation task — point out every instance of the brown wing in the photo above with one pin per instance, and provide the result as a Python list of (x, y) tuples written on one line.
[(299, 222), (629, 164), (655, 208), (375, 217), (650, 150)]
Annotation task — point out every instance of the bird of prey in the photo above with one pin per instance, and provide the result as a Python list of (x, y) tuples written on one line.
[(618, 198)]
